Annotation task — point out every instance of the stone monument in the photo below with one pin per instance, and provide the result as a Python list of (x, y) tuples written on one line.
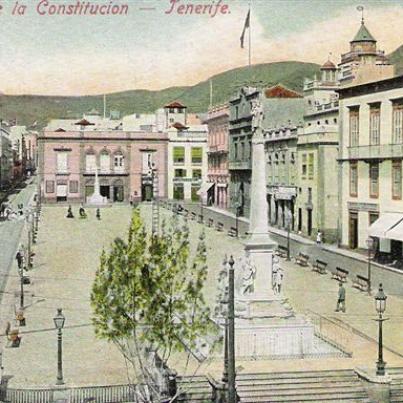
[(96, 199), (266, 325)]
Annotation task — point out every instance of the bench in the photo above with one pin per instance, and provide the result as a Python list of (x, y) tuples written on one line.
[(302, 259), (319, 266), (210, 222), (362, 283), (200, 219), (281, 251), (13, 336), (193, 216), (340, 275), (233, 232), (219, 226)]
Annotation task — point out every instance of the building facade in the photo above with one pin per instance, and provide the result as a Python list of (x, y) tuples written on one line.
[(317, 157), (69, 159), (370, 178), (187, 161), (217, 174), (6, 159)]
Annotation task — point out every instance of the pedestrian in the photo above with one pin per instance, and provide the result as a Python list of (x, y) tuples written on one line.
[(82, 212), (70, 212), (279, 280), (19, 259), (319, 238), (341, 300), (274, 273), (98, 214)]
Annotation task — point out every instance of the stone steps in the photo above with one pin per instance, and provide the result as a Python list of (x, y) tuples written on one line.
[(195, 389), (310, 387), (300, 381)]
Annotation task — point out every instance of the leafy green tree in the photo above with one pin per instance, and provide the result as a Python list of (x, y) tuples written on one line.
[(147, 297)]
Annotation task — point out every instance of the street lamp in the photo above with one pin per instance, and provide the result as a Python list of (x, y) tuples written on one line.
[(21, 273), (59, 320), (380, 306), (231, 333), (237, 211), (370, 246)]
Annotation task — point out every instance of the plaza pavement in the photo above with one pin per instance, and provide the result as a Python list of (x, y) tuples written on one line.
[(67, 255)]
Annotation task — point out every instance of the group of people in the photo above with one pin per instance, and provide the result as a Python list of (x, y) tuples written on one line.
[(8, 213), (82, 213)]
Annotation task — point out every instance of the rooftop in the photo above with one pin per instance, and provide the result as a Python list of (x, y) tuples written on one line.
[(363, 35)]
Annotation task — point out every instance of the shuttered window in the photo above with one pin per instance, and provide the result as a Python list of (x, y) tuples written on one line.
[(197, 155), (179, 155)]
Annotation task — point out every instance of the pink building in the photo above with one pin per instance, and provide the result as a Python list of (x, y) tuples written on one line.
[(217, 174), (69, 158)]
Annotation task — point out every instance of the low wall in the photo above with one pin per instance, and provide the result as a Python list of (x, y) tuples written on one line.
[(354, 263)]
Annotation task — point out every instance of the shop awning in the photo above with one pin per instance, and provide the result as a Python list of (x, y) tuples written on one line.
[(205, 187), (386, 222), (396, 232)]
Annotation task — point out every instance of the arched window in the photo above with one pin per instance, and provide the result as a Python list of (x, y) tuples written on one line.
[(90, 161), (105, 161)]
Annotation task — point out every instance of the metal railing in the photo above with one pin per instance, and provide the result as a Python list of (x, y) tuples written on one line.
[(336, 333)]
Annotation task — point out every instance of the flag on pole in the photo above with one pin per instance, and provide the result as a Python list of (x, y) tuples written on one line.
[(247, 24)]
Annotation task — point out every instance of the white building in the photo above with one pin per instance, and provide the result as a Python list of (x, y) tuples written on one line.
[(370, 178), (187, 161), (6, 158)]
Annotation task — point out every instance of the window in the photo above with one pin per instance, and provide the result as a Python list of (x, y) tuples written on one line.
[(374, 124), (105, 162), (304, 170), (310, 165), (178, 191), (397, 123), (180, 173), (372, 217), (90, 163), (50, 187), (242, 150), (374, 179), (196, 174), (197, 155), (62, 162), (354, 127), (147, 162), (119, 163), (195, 196), (236, 112), (171, 110), (236, 151), (353, 179), (396, 180), (179, 155), (73, 185)]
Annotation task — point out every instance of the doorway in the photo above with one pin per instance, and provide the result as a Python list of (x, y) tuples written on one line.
[(353, 230), (309, 211), (118, 193), (147, 192), (104, 190), (300, 220)]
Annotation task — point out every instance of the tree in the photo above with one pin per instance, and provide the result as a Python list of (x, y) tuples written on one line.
[(147, 297)]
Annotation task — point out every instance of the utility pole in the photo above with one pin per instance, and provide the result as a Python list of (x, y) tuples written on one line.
[(231, 334)]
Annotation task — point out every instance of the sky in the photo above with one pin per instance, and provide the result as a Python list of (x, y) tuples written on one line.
[(151, 49)]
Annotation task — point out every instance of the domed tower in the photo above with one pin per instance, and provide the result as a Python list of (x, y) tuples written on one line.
[(328, 70), (364, 62)]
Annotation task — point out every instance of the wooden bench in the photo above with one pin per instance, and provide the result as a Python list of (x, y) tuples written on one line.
[(193, 216), (319, 266), (340, 275), (302, 259), (13, 335), (219, 226), (362, 283), (210, 222), (281, 251), (233, 232)]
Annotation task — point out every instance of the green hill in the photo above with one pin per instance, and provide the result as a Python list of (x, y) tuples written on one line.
[(30, 108)]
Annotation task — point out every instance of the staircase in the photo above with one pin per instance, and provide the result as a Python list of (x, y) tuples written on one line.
[(396, 387), (305, 386), (195, 389)]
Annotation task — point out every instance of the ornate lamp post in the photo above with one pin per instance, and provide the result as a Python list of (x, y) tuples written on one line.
[(21, 273), (237, 210), (380, 306), (59, 320), (231, 333), (370, 246)]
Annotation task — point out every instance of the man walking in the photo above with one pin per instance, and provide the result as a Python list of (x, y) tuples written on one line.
[(341, 301), (19, 259)]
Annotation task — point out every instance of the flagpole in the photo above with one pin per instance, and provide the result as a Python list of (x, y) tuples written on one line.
[(250, 35), (211, 93)]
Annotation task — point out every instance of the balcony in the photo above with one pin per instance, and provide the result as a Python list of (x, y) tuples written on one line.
[(238, 164), (372, 152), (181, 179)]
